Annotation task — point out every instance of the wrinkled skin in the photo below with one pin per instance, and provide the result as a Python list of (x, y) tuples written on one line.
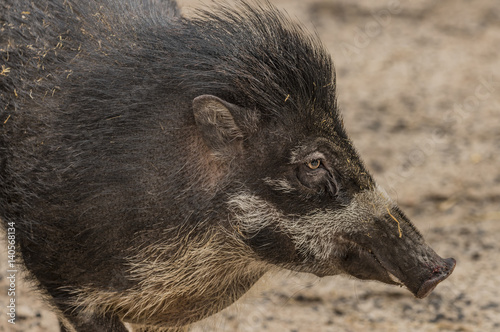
[(155, 167)]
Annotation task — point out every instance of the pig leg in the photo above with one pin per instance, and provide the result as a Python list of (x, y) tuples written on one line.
[(91, 323), (137, 328), (72, 319)]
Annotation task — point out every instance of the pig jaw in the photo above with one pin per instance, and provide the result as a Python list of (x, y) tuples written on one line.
[(396, 268), (388, 248)]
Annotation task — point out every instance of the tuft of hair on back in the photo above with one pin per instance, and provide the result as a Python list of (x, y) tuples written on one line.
[(256, 56)]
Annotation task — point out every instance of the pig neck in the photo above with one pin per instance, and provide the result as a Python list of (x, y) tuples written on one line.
[(176, 287)]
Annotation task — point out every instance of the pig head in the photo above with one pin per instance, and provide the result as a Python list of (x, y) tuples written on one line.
[(310, 205)]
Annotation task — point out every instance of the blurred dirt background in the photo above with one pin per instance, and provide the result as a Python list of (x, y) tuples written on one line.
[(419, 86)]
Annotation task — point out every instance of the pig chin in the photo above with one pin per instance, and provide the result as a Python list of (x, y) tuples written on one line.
[(364, 265)]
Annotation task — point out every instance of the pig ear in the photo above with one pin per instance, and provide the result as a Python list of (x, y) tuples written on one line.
[(216, 122)]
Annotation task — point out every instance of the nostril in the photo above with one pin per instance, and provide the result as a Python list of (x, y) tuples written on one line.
[(450, 262), (438, 274), (445, 269)]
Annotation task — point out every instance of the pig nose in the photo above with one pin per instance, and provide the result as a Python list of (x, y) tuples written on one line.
[(438, 274)]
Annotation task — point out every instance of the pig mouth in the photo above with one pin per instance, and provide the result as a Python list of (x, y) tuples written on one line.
[(389, 274), (429, 276), (420, 280)]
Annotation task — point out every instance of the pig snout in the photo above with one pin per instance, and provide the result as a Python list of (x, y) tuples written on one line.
[(420, 275), (422, 278), (390, 249), (438, 274), (409, 261)]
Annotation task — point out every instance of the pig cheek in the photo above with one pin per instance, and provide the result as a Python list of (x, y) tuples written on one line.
[(273, 245)]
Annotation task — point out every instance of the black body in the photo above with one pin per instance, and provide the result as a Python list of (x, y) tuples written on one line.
[(143, 155)]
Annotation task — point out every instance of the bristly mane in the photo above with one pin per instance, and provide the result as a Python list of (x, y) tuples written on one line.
[(249, 54), (259, 56)]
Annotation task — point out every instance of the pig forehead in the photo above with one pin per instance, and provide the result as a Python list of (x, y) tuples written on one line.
[(335, 147), (303, 130), (317, 122), (311, 144)]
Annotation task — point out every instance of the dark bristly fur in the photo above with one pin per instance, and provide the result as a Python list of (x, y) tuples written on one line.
[(156, 166)]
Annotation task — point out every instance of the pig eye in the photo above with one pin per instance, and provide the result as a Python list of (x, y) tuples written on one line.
[(316, 175), (314, 164)]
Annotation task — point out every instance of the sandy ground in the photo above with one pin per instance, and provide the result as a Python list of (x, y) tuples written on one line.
[(419, 85)]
